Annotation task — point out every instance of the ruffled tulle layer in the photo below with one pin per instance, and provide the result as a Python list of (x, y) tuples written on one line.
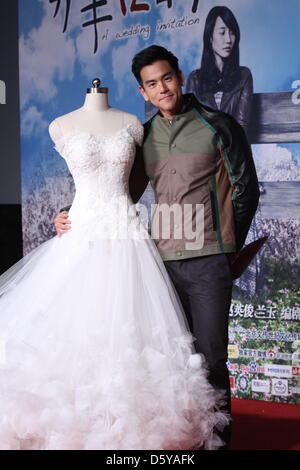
[(96, 353)]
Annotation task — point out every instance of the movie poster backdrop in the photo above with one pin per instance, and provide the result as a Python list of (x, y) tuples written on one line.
[(64, 44)]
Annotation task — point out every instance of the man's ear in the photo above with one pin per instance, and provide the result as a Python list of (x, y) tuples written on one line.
[(143, 93)]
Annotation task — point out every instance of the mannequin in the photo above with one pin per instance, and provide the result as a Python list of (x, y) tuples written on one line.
[(94, 117), (99, 356)]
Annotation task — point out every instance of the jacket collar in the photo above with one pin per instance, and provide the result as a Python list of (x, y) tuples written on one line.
[(189, 102)]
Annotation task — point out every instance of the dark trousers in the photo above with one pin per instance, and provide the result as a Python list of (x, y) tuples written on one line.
[(204, 286)]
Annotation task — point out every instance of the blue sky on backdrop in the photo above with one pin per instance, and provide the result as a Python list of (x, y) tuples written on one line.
[(56, 68)]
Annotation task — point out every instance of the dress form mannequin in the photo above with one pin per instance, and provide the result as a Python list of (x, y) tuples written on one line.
[(94, 117), (87, 342)]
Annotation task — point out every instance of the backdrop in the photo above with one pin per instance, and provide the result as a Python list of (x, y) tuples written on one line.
[(64, 44)]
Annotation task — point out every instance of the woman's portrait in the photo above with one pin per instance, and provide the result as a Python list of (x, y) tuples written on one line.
[(221, 83)]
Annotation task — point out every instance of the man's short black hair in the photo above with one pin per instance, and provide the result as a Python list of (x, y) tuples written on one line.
[(150, 55)]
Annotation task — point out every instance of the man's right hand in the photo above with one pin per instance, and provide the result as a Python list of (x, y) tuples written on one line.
[(62, 223)]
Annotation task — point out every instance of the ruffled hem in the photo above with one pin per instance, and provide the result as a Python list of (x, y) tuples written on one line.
[(98, 355), (141, 408)]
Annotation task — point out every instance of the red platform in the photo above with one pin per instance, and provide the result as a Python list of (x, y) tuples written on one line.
[(260, 425)]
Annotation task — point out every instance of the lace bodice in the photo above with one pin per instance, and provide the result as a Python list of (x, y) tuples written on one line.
[(85, 152), (100, 166)]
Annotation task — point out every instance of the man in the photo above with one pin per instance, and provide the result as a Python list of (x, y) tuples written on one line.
[(200, 157)]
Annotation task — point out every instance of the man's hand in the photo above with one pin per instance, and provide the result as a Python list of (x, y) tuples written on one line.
[(62, 223)]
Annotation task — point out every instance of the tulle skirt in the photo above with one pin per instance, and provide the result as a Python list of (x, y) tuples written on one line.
[(96, 354)]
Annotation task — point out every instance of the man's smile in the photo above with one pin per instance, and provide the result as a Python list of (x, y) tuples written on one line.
[(165, 97)]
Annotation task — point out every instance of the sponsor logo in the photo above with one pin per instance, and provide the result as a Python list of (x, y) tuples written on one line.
[(233, 367), (232, 381), (247, 370), (243, 383), (270, 335), (233, 351), (252, 353), (296, 358), (274, 370), (296, 371), (271, 354), (252, 367), (262, 386), (280, 387)]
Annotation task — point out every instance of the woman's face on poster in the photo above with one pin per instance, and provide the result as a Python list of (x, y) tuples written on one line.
[(222, 40)]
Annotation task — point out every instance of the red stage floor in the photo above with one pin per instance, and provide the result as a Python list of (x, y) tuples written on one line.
[(259, 425)]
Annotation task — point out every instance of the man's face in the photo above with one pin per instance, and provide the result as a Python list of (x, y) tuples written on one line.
[(161, 85)]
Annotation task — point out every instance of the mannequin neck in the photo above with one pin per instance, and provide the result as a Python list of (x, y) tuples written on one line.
[(96, 102)]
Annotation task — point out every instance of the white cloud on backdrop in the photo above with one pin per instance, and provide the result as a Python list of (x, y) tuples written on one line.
[(45, 63), (121, 66), (46, 56), (33, 122), (275, 163)]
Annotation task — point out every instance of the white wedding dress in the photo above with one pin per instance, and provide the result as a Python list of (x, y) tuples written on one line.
[(95, 353)]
